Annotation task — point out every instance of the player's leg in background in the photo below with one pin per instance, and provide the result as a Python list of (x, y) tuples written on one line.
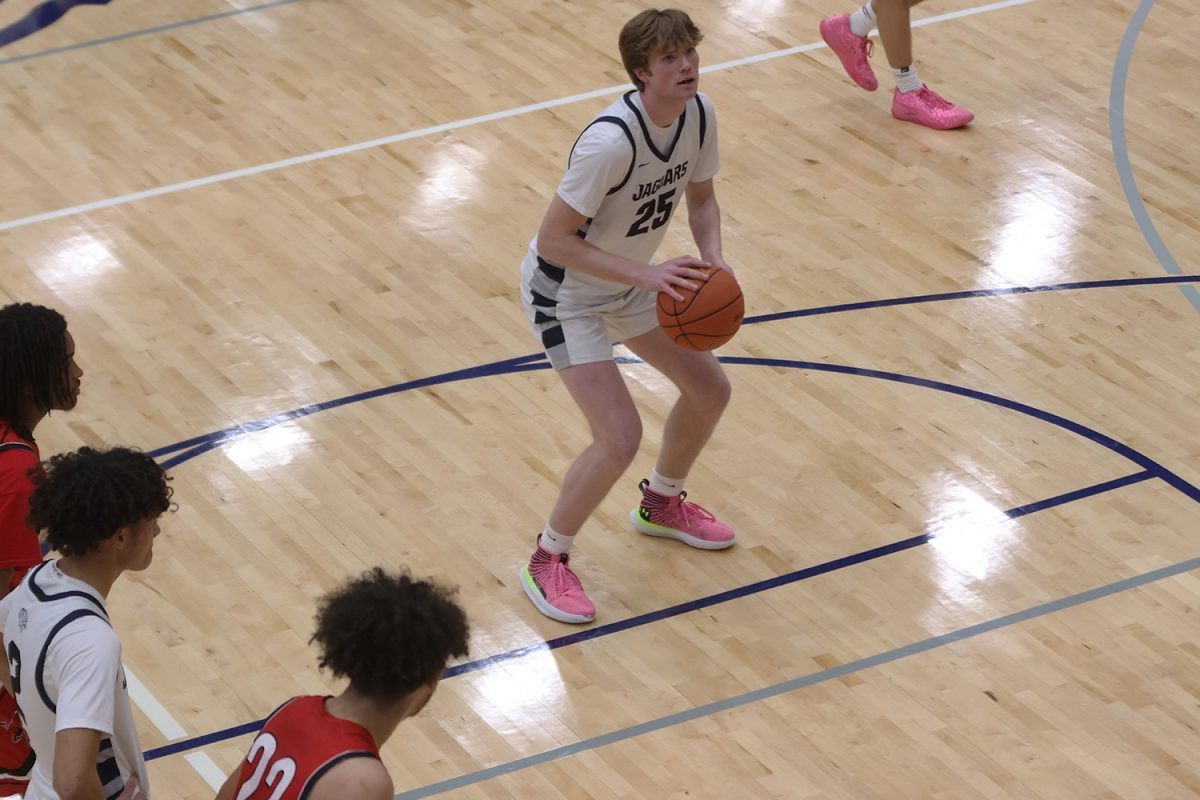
[(912, 100)]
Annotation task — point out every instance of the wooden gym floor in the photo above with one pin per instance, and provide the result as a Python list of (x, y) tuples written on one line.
[(967, 561)]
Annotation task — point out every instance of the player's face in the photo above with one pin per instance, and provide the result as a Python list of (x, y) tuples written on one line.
[(424, 698), (673, 74), (141, 543), (74, 374)]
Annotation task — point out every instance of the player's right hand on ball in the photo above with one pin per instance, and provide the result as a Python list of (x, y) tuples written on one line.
[(683, 271)]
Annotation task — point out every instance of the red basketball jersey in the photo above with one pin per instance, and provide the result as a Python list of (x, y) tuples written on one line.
[(300, 742), (19, 549), (19, 546)]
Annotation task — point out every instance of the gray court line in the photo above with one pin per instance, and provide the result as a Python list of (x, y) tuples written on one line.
[(146, 31), (799, 683), (1120, 147)]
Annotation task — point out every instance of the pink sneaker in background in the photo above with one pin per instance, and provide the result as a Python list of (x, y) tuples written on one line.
[(927, 107), (852, 50)]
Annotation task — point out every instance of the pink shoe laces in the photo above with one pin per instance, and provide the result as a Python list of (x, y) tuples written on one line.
[(670, 511), (935, 98), (552, 574)]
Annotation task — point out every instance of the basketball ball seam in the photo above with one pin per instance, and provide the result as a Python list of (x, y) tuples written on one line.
[(711, 313)]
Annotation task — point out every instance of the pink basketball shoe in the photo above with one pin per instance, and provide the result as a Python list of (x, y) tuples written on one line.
[(852, 50), (555, 588), (673, 518), (927, 107)]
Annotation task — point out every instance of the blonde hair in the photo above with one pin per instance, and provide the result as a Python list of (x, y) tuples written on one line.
[(654, 30)]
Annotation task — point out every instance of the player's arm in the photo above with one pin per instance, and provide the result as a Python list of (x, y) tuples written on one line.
[(558, 243), (74, 772), (86, 661), (358, 778), (227, 788), (704, 218), (5, 674)]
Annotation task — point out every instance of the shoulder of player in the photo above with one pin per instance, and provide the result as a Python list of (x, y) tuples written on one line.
[(706, 103), (364, 778), (604, 132), (17, 457), (6, 606), (89, 635)]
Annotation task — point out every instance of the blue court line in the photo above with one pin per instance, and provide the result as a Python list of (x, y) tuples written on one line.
[(1150, 469), (684, 608), (1145, 462), (1120, 147), (758, 695), (203, 443), (43, 15), (146, 31), (209, 441), (971, 294)]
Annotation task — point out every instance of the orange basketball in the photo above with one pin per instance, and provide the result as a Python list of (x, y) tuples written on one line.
[(708, 316)]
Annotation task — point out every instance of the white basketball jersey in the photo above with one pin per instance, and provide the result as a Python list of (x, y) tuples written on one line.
[(627, 177), (64, 659)]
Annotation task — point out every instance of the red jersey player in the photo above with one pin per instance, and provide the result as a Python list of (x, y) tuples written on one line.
[(391, 636)]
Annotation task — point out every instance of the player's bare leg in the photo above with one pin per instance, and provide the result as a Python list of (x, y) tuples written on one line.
[(704, 393), (600, 392)]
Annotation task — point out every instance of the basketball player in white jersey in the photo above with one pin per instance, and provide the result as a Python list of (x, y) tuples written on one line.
[(589, 279), (100, 509)]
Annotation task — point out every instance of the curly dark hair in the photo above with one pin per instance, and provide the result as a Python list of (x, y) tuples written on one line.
[(82, 498), (389, 633), (33, 356)]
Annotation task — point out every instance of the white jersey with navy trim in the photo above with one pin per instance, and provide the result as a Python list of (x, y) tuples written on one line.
[(627, 176), (65, 662)]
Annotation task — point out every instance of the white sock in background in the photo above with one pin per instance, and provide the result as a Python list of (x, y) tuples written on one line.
[(906, 79), (862, 21)]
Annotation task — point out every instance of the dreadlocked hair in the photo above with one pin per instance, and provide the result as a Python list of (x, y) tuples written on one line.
[(389, 633), (84, 497), (33, 358)]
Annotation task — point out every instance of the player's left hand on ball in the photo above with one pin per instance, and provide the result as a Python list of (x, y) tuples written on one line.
[(720, 263)]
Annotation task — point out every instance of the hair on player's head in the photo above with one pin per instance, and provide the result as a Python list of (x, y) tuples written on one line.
[(389, 633), (83, 497), (33, 363)]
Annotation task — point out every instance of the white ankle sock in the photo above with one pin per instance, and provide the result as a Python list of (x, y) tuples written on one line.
[(906, 79), (668, 486), (862, 21), (554, 542)]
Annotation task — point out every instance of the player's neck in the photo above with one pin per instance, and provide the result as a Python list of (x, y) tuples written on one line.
[(380, 721), (95, 572), (31, 415), (662, 112)]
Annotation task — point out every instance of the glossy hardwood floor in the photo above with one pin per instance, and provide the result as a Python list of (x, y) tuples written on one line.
[(967, 554)]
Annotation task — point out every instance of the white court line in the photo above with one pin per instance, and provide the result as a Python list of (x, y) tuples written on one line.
[(435, 129), (172, 730)]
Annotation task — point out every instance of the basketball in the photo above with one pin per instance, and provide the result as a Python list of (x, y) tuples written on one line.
[(708, 316)]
